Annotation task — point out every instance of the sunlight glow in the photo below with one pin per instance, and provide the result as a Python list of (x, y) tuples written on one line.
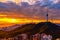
[(22, 21), (2, 15), (3, 0), (8, 20), (19, 21), (5, 22)]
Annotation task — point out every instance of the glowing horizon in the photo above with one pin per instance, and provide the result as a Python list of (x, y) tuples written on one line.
[(6, 18), (6, 22)]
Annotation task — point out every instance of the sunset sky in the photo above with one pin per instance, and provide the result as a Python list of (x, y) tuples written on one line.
[(26, 0), (15, 18), (19, 1)]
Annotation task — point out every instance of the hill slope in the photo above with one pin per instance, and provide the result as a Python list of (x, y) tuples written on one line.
[(30, 29)]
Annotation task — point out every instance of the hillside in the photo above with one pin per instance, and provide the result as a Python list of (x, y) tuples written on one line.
[(30, 29)]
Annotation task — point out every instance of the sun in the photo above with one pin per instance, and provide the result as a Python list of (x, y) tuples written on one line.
[(13, 20), (8, 20)]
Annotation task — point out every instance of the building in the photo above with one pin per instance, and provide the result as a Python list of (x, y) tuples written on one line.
[(24, 36)]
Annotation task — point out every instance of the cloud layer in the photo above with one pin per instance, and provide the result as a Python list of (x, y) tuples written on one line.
[(36, 11)]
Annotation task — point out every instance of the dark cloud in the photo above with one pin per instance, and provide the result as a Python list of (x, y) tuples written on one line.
[(55, 6), (9, 7), (37, 11)]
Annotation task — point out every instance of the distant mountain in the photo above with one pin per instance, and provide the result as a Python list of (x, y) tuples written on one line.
[(10, 27)]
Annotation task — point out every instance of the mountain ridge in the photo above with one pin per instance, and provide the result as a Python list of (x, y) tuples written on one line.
[(31, 29)]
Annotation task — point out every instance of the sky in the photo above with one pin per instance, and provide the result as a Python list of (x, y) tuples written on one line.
[(15, 20), (19, 1), (29, 1)]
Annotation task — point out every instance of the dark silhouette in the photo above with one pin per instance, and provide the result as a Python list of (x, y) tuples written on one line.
[(31, 29)]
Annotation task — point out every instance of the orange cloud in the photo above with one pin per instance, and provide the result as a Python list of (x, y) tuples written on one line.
[(17, 1), (3, 0)]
